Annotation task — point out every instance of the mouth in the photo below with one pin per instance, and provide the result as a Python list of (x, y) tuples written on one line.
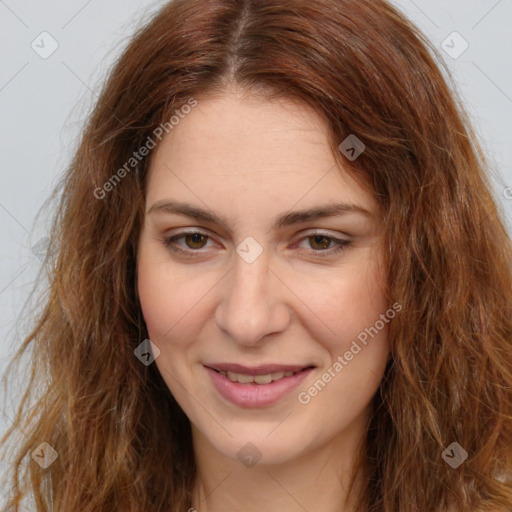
[(256, 386), (253, 377)]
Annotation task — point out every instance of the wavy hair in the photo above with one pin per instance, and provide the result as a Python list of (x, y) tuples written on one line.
[(123, 443)]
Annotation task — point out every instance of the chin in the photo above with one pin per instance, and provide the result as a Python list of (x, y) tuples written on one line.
[(250, 446)]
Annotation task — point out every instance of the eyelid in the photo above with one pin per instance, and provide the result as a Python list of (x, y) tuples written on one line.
[(301, 236), (187, 231), (325, 232)]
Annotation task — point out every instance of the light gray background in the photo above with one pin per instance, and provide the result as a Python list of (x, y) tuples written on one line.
[(43, 103)]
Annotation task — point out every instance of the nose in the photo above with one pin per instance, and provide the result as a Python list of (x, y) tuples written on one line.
[(252, 303)]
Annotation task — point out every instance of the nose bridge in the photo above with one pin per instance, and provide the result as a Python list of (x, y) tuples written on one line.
[(250, 280), (250, 306)]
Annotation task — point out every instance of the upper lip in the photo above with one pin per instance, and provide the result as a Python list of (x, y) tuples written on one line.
[(262, 369)]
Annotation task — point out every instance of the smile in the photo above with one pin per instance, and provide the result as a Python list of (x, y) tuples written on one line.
[(257, 386), (257, 379)]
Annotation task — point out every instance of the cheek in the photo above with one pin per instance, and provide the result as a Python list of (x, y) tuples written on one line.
[(169, 299), (172, 298), (346, 304), (157, 300)]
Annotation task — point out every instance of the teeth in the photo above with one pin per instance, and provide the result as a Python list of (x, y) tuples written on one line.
[(258, 379), (243, 379), (263, 379)]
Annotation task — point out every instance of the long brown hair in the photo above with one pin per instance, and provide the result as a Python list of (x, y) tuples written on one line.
[(122, 441)]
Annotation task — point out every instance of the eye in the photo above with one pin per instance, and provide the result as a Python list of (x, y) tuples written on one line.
[(192, 243), (324, 243), (194, 240)]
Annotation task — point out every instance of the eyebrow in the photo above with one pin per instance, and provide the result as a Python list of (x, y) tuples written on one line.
[(287, 219)]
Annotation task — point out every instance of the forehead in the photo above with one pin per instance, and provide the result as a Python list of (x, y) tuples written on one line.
[(250, 151)]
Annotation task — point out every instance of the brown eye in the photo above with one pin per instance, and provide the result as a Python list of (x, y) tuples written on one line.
[(323, 245), (187, 242), (319, 242), (195, 240)]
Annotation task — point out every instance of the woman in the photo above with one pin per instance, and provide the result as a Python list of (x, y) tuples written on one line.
[(280, 279)]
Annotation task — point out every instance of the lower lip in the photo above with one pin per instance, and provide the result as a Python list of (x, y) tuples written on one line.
[(256, 395)]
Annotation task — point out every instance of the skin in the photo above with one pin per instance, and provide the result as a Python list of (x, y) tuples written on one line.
[(251, 160)]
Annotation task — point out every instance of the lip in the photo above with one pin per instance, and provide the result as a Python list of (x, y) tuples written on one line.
[(256, 395), (256, 370)]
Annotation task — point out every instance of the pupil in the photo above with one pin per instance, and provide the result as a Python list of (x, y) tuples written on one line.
[(321, 240), (196, 240)]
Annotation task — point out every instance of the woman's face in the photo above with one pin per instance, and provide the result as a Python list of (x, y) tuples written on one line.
[(259, 258)]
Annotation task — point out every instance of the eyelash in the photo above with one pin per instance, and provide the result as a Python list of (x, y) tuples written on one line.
[(169, 242)]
